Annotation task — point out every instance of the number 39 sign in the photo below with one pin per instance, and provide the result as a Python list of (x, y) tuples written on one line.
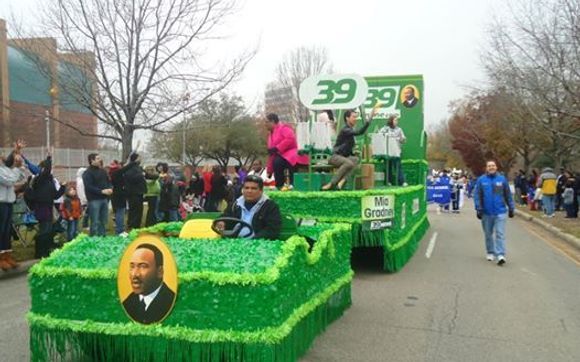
[(333, 91)]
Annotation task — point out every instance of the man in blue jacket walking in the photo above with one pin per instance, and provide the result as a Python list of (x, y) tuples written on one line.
[(493, 203)]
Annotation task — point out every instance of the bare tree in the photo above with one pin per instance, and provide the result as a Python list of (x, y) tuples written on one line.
[(537, 53), (525, 137), (136, 64), (298, 65)]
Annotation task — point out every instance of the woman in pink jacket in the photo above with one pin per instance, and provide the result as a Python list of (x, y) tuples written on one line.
[(282, 150)]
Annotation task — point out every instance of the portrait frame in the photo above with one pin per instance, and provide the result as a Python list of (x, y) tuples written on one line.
[(124, 288), (416, 92)]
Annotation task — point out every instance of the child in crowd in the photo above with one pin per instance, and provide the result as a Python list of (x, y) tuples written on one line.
[(189, 205), (538, 200), (531, 199), (71, 211), (568, 198)]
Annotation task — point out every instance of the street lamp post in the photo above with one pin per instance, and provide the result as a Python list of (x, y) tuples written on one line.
[(47, 121), (185, 101), (183, 141), (53, 92)]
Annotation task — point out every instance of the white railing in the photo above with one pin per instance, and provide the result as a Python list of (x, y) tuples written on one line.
[(66, 161)]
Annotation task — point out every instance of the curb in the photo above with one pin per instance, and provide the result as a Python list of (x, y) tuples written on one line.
[(570, 239), (22, 269)]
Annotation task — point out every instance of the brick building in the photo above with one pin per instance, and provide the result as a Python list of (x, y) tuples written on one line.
[(29, 92)]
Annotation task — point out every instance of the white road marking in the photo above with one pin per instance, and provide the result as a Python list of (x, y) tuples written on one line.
[(431, 245)]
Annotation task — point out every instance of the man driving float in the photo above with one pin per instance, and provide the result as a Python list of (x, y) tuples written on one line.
[(256, 209)]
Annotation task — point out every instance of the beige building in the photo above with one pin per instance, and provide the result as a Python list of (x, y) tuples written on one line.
[(280, 100)]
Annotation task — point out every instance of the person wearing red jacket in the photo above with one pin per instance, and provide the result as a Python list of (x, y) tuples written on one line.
[(207, 176), (282, 150), (71, 211)]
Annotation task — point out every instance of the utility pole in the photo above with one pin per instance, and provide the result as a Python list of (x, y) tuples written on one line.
[(47, 120), (183, 141), (185, 102)]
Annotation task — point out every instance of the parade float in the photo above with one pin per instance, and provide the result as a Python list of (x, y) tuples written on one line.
[(237, 299), (382, 213), (392, 219)]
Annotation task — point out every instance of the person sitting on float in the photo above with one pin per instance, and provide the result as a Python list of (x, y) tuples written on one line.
[(253, 215), (282, 151), (343, 156)]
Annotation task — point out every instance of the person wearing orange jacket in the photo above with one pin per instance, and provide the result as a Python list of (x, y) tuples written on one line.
[(71, 211)]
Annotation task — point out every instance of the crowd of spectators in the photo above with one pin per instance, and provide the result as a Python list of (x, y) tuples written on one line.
[(548, 192), (137, 196)]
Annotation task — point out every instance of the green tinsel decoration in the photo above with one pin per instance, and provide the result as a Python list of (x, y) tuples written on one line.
[(238, 299)]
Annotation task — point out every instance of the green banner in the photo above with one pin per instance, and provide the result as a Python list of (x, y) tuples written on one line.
[(402, 96)]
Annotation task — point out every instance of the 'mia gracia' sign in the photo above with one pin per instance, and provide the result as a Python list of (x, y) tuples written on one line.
[(377, 211)]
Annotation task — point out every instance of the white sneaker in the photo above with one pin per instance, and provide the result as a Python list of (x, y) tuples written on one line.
[(405, 184), (124, 234), (500, 260), (490, 257)]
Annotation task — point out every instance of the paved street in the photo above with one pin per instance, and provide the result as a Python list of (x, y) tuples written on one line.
[(456, 306), (453, 306), (15, 303)]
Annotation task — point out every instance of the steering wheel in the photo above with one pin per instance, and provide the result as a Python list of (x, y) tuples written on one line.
[(233, 233)]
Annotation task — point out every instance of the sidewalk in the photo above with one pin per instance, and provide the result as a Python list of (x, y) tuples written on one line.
[(22, 269), (547, 224)]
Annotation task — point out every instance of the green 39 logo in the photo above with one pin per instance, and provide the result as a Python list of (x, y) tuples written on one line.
[(387, 95), (334, 91)]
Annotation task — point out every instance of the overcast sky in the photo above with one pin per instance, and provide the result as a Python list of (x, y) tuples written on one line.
[(439, 39)]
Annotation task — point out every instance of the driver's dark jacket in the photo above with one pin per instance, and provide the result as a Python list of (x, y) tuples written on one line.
[(266, 223)]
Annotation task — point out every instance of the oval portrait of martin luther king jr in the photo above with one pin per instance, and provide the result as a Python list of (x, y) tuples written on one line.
[(147, 280)]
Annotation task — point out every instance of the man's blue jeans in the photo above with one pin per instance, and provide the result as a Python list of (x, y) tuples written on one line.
[(548, 202), (98, 215), (171, 215), (489, 223), (120, 220)]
